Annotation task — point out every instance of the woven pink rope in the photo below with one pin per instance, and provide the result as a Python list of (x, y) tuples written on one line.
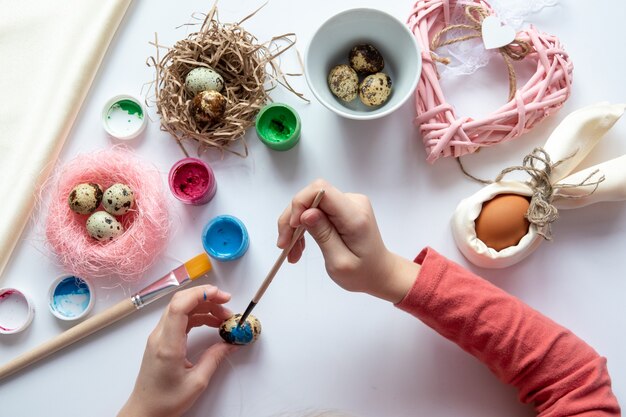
[(446, 134)]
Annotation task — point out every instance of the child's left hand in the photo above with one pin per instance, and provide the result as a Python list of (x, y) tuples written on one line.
[(168, 383)]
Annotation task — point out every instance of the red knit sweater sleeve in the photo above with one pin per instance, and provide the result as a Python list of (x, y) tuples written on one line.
[(550, 366)]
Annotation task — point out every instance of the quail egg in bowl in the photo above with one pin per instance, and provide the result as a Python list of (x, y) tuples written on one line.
[(357, 37)]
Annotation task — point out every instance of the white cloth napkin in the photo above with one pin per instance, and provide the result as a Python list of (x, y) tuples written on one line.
[(50, 52)]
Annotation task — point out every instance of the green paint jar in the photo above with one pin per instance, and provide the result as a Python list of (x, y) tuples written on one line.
[(124, 117), (278, 126)]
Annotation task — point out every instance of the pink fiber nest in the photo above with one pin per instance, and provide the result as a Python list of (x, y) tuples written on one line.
[(446, 134), (146, 226)]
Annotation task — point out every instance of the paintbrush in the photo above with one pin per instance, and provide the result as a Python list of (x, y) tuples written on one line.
[(297, 234), (174, 280)]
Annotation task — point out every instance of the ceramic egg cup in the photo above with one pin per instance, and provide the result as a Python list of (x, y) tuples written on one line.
[(570, 142), (331, 45)]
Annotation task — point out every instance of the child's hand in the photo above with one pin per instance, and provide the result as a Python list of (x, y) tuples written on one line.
[(345, 229), (168, 383)]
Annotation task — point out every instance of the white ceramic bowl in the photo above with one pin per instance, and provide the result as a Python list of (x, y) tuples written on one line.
[(332, 42)]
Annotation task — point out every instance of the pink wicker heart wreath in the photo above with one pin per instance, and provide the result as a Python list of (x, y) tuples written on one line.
[(445, 134)]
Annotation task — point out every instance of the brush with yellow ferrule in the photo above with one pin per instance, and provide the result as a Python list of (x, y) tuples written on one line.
[(176, 279)]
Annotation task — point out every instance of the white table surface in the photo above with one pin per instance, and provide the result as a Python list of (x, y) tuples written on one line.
[(384, 362)]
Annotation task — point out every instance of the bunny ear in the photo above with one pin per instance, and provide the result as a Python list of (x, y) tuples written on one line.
[(613, 188), (578, 133)]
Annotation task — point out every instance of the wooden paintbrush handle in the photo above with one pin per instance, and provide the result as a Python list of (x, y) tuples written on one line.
[(76, 333), (297, 234)]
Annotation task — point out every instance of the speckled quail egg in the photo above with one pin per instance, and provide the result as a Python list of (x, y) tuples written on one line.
[(85, 198), (343, 82), (203, 78), (104, 227), (365, 59), (247, 333), (375, 89), (118, 199), (208, 106)]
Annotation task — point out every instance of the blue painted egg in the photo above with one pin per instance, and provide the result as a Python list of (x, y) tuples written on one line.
[(245, 334)]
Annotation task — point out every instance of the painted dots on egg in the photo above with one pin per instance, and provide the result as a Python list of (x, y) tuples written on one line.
[(85, 198), (245, 334), (118, 199)]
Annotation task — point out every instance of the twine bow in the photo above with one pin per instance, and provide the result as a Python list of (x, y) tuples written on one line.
[(514, 51), (541, 212)]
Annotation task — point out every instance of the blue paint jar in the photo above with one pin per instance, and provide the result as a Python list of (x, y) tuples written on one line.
[(70, 297), (225, 238)]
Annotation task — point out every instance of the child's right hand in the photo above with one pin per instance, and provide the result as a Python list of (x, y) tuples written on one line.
[(344, 227)]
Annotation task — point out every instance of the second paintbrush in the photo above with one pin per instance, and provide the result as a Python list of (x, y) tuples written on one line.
[(297, 234)]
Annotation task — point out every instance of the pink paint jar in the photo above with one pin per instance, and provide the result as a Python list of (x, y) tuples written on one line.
[(192, 181)]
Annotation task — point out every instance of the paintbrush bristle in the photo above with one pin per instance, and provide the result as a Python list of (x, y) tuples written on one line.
[(198, 266)]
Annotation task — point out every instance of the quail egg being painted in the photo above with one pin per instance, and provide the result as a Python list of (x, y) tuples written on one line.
[(104, 227), (343, 82), (85, 198), (118, 199), (375, 89), (365, 59), (208, 106), (247, 333), (203, 78)]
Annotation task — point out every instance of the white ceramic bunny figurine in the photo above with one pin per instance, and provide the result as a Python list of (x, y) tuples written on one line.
[(569, 144)]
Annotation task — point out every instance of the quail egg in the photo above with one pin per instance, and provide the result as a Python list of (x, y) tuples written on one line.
[(104, 227), (118, 199), (85, 198), (203, 78), (208, 106), (375, 89), (247, 333), (343, 82), (365, 59)]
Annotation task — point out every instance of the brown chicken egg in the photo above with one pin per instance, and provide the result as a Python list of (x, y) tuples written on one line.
[(502, 221)]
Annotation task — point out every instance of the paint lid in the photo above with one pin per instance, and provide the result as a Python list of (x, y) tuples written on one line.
[(16, 311), (192, 181), (225, 238), (124, 117), (70, 297), (278, 126)]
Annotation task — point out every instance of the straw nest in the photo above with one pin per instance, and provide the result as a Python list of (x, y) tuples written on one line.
[(249, 68)]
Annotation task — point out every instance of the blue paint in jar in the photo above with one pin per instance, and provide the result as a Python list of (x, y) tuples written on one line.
[(71, 298), (225, 238)]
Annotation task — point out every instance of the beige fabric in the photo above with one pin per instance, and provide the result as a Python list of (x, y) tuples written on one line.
[(50, 52)]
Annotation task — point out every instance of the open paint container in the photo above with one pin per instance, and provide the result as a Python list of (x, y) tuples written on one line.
[(16, 311), (225, 238), (70, 297), (192, 181), (124, 117), (278, 126)]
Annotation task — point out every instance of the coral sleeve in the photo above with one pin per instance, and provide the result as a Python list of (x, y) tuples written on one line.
[(553, 369)]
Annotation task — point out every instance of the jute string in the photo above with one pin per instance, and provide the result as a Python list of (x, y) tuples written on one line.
[(541, 212), (514, 51)]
